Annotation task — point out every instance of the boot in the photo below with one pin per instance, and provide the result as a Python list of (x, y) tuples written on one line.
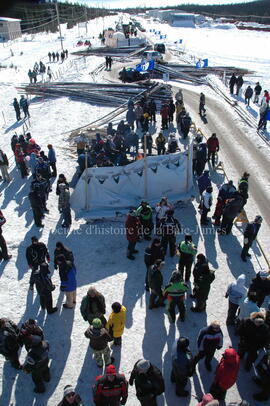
[(40, 388), (130, 256)]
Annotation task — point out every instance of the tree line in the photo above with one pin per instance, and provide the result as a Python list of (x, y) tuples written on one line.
[(39, 16)]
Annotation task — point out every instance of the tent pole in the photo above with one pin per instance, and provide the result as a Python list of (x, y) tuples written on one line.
[(145, 167)]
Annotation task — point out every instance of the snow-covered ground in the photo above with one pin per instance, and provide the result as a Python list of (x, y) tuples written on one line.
[(100, 248)]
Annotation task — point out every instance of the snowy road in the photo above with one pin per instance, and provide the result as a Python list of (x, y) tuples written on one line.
[(238, 152)]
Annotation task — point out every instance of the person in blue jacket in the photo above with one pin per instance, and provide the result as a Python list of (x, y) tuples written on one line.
[(204, 181), (209, 340), (182, 365), (67, 272)]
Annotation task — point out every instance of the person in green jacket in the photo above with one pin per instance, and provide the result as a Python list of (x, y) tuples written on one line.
[(144, 212), (175, 295), (187, 250), (202, 288)]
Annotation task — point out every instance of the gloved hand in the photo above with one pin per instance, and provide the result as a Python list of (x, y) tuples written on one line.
[(245, 240)]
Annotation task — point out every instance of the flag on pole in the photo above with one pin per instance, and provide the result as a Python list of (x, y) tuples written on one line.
[(145, 66)]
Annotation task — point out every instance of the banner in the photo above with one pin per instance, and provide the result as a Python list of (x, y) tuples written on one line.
[(202, 63), (145, 66)]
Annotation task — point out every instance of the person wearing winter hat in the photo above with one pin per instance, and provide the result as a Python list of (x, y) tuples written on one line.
[(253, 335), (208, 400), (250, 234), (226, 374), (110, 389), (70, 397), (261, 286), (236, 292), (116, 322), (182, 365), (99, 338), (149, 382)]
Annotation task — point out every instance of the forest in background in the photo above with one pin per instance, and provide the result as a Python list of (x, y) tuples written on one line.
[(38, 17)]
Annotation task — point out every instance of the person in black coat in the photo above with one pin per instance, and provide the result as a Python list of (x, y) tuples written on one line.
[(232, 83), (257, 91), (239, 84), (231, 210), (170, 226), (17, 109), (202, 104), (152, 110), (263, 378), (36, 254), (151, 254), (44, 287), (250, 234), (36, 205), (201, 158), (254, 334), (197, 271), (248, 95), (61, 249), (202, 288), (185, 125), (243, 187), (155, 282), (37, 363), (9, 341), (261, 286), (171, 110), (149, 382), (182, 365)]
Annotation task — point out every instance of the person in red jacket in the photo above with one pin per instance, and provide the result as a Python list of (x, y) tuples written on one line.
[(3, 246), (226, 374), (132, 226), (164, 112), (213, 147), (19, 156), (110, 389)]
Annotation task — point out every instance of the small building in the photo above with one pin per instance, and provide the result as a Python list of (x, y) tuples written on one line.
[(181, 20), (10, 28)]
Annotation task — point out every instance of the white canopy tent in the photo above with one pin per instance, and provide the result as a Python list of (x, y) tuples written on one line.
[(109, 191)]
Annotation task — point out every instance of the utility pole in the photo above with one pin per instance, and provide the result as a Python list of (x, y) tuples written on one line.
[(59, 26), (86, 19)]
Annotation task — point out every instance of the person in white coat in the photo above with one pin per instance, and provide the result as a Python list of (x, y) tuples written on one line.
[(236, 292), (205, 205)]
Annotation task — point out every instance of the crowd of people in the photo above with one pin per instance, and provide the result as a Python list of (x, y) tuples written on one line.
[(121, 144), (236, 84), (246, 315)]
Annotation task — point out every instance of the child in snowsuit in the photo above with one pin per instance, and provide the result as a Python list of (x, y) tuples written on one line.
[(99, 338), (116, 322)]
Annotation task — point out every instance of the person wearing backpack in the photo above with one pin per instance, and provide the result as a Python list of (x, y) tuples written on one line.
[(44, 287), (149, 382), (182, 365), (37, 363), (9, 342)]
